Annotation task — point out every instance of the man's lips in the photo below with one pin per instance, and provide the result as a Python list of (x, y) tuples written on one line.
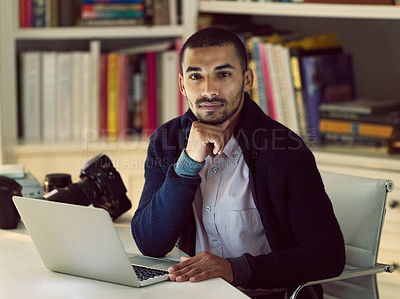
[(211, 106)]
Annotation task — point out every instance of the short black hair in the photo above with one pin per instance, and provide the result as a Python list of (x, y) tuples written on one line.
[(215, 37)]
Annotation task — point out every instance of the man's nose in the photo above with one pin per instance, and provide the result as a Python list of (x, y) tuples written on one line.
[(210, 89)]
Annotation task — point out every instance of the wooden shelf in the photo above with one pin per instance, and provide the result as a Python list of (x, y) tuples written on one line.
[(303, 10), (62, 33)]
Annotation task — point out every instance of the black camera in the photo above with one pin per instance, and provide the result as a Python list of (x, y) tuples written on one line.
[(9, 216), (100, 185)]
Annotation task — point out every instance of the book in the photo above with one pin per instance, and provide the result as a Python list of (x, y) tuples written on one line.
[(112, 22), (365, 106), (168, 98), (49, 98), (112, 95), (390, 117), (295, 53), (123, 82), (355, 128), (86, 100), (64, 95), (38, 13), (379, 2), (139, 85), (267, 80), (258, 90), (94, 89), (31, 94), (103, 96), (286, 88), (151, 94), (182, 105), (326, 78), (77, 94), (68, 12)]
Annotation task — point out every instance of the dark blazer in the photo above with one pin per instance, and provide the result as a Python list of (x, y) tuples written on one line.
[(296, 213)]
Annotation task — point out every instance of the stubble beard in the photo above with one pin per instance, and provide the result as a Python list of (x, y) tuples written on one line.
[(210, 116)]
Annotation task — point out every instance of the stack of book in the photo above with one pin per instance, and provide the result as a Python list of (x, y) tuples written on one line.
[(58, 13), (112, 12), (80, 96), (293, 78), (361, 121)]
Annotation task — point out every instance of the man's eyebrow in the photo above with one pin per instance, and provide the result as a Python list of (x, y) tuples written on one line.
[(224, 66), (220, 67)]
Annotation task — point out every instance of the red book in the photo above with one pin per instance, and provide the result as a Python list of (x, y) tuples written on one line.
[(151, 68), (123, 85), (28, 13), (267, 81), (103, 96)]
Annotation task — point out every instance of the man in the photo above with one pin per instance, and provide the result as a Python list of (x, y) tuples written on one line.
[(237, 191)]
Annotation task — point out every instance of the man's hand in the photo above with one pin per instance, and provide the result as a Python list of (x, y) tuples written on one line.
[(201, 267), (205, 139)]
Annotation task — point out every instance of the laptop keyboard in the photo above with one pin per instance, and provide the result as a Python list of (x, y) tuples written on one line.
[(144, 273)]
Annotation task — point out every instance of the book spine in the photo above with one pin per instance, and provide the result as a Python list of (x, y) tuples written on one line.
[(113, 95), (151, 68), (112, 14), (77, 94), (94, 89), (39, 13), (64, 95), (267, 81), (123, 75), (298, 89), (112, 22), (390, 118), (103, 97), (356, 128), (112, 7), (168, 100), (31, 94), (49, 109)]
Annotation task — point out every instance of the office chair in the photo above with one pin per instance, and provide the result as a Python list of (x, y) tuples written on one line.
[(359, 205)]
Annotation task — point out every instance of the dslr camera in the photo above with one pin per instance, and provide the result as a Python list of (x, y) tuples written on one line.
[(9, 216), (100, 184)]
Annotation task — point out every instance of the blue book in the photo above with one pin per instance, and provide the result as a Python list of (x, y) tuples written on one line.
[(326, 78)]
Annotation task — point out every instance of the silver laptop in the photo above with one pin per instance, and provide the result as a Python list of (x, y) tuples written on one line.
[(83, 241)]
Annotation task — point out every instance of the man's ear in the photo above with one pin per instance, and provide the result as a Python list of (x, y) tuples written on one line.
[(248, 80), (181, 85)]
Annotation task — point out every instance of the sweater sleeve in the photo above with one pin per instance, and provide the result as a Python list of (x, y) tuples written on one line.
[(164, 207)]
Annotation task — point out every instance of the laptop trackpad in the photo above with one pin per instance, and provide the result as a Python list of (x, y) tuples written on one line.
[(151, 262)]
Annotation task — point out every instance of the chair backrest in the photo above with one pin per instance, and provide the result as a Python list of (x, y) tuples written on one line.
[(359, 205)]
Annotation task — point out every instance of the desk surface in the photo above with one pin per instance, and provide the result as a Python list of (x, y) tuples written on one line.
[(23, 275)]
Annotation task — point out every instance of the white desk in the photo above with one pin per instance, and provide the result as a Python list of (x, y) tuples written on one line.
[(23, 275)]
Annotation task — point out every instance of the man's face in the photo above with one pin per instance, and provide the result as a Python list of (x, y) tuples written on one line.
[(213, 82)]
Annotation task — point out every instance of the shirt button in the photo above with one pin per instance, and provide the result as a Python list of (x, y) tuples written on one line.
[(215, 169), (214, 242), (208, 208), (234, 156)]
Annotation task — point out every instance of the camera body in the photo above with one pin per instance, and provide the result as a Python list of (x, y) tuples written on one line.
[(100, 185), (9, 216)]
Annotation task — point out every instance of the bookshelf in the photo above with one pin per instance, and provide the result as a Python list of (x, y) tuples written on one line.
[(369, 33), (41, 157), (15, 39)]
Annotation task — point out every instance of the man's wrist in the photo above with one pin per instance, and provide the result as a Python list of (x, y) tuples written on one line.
[(187, 167), (241, 271)]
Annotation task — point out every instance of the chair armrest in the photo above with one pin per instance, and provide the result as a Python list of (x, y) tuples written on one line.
[(378, 268)]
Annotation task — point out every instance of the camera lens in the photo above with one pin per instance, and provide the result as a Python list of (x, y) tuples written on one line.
[(56, 180)]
